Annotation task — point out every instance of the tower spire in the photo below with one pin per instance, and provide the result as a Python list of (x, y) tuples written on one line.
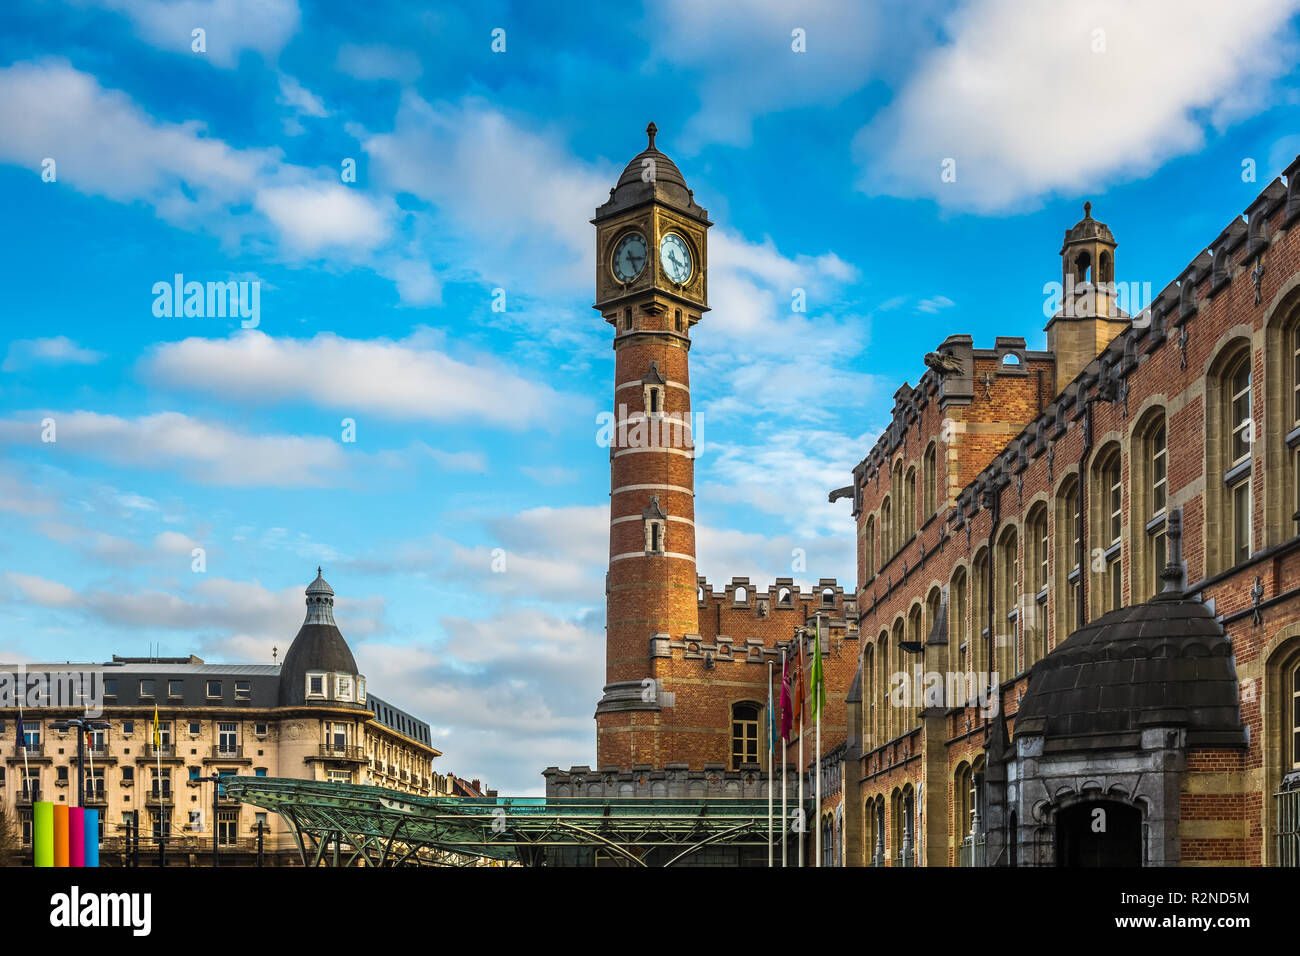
[(650, 134)]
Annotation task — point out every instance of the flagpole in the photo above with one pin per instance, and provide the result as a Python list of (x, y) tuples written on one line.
[(817, 707), (785, 744), (802, 807), (22, 742), (771, 756)]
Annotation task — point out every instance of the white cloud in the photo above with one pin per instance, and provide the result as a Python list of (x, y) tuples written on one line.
[(300, 99), (232, 26), (59, 350), (207, 452), (221, 613), (407, 379), (377, 62), (104, 144), (743, 64), (322, 215), (518, 197), (936, 303), (1026, 108)]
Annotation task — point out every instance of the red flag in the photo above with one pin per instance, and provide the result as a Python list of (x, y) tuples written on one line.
[(799, 692), (786, 714)]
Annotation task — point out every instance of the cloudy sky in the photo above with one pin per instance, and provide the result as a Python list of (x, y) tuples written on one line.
[(818, 135)]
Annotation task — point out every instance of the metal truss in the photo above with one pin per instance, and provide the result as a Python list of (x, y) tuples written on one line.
[(340, 824)]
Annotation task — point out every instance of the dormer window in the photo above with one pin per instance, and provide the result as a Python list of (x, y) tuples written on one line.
[(361, 690), (342, 687), (316, 685)]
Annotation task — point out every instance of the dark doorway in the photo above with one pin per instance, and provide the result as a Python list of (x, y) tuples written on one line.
[(1099, 833)]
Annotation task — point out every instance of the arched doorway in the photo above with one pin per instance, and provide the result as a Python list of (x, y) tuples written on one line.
[(1099, 833)]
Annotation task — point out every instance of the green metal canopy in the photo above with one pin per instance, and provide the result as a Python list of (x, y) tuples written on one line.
[(342, 824)]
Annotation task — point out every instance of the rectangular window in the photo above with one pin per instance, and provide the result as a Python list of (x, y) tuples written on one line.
[(243, 690), (1241, 522), (338, 737), (343, 687), (110, 686), (128, 727), (165, 734), (146, 687), (196, 728), (339, 776), (227, 827), (214, 690), (227, 738), (259, 729), (31, 736), (1159, 472), (25, 820), (315, 685), (175, 688), (1240, 420), (128, 774)]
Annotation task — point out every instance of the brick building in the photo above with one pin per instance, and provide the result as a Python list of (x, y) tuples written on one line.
[(1105, 534), (684, 709)]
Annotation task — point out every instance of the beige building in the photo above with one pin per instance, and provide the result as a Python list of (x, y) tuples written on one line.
[(310, 717)]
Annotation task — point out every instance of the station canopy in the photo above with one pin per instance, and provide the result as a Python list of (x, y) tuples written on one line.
[(343, 824)]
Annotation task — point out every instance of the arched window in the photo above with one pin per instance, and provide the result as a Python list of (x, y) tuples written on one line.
[(744, 734), (1067, 560), (979, 602), (1150, 501), (898, 715), (1107, 507), (740, 595), (886, 531), (911, 502), (869, 549), (783, 598), (1006, 620), (869, 697), (883, 671), (1237, 477), (1037, 549), (1282, 395), (1295, 716), (958, 621), (915, 634), (930, 484), (963, 823)]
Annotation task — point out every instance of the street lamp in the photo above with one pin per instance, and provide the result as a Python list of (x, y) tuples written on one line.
[(216, 803), (81, 725)]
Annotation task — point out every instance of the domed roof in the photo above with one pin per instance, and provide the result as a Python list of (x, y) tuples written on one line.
[(651, 174), (1164, 663), (1088, 228), (319, 645)]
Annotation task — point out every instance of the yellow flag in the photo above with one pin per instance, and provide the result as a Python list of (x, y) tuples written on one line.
[(157, 737)]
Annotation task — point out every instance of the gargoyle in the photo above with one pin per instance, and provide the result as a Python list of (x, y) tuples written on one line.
[(943, 364)]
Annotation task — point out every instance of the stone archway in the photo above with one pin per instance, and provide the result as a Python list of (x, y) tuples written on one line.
[(1099, 833)]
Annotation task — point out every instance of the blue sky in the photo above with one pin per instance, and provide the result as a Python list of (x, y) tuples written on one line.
[(477, 171)]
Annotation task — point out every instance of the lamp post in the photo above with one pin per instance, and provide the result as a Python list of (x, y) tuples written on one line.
[(216, 803), (81, 725), (262, 829)]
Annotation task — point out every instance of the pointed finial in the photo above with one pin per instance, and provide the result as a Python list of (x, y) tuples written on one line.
[(318, 571), (650, 132), (1087, 210)]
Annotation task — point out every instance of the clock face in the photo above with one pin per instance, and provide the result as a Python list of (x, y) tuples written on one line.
[(675, 258), (629, 257)]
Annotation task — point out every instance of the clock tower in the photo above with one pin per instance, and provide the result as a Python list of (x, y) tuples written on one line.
[(651, 286)]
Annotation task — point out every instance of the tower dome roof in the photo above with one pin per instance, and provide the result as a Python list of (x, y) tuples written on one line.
[(319, 645), (1088, 228), (651, 175)]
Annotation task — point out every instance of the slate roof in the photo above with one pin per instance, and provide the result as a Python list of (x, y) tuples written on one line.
[(1164, 663)]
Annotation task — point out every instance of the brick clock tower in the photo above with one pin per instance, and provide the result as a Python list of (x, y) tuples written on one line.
[(651, 286)]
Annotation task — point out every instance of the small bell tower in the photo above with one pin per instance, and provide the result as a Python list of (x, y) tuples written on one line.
[(1089, 316)]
